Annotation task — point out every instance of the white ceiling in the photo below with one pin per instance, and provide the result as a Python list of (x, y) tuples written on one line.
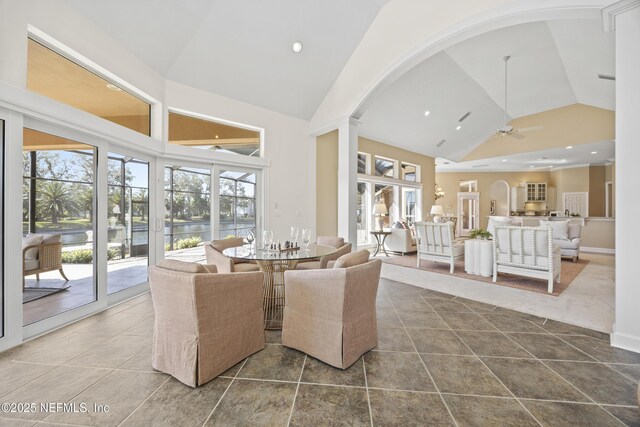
[(553, 64), (241, 49), (597, 153)]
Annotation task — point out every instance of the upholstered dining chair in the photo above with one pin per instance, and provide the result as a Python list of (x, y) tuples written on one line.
[(330, 314), (326, 261), (205, 322), (224, 263)]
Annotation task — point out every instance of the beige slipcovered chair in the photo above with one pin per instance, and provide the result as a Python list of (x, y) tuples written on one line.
[(41, 253), (224, 263), (526, 251), (436, 243), (330, 314), (205, 322), (325, 261)]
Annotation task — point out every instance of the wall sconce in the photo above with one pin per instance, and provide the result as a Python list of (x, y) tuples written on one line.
[(439, 193)]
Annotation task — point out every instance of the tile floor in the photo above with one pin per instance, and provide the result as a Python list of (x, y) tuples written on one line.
[(441, 360)]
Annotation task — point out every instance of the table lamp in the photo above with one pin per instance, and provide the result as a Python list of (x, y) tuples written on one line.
[(380, 209), (437, 211)]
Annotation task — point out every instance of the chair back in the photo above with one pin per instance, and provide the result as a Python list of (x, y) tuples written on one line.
[(435, 237), (529, 247), (223, 263)]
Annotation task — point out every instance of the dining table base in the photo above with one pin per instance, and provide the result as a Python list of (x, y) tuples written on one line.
[(273, 304)]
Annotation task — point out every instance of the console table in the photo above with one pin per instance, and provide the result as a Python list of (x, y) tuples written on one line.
[(478, 257)]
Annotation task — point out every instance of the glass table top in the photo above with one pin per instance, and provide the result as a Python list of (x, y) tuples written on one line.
[(313, 252)]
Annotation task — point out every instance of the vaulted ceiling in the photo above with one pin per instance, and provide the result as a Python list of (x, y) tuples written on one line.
[(241, 49), (553, 64)]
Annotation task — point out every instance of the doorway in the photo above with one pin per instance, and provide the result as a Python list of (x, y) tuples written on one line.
[(499, 195), (468, 212)]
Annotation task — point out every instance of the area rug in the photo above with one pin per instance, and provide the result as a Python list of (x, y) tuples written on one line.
[(32, 294), (568, 271)]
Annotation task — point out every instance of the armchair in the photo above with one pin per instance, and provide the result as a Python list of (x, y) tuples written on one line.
[(436, 243), (205, 322), (223, 263), (401, 240), (526, 251), (330, 314), (41, 253), (328, 260)]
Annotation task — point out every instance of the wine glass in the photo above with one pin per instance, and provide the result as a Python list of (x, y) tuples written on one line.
[(251, 237), (306, 237), (267, 238), (294, 234)]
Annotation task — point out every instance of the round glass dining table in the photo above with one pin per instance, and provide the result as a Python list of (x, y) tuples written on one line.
[(273, 264)]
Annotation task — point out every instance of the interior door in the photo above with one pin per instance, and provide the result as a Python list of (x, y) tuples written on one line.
[(576, 203), (468, 212)]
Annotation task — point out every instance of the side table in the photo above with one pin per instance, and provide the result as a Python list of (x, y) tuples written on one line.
[(380, 236), (478, 257)]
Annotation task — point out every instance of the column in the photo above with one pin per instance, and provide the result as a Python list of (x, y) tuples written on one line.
[(347, 180), (623, 17)]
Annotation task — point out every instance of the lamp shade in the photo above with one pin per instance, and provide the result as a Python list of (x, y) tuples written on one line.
[(437, 210), (380, 209)]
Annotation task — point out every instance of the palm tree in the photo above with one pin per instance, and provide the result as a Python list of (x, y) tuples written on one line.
[(54, 199)]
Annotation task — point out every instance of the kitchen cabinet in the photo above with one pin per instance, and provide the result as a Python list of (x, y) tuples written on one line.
[(536, 191)]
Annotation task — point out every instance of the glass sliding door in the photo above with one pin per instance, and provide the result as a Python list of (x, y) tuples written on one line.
[(58, 224), (409, 205), (128, 226), (237, 203), (187, 222)]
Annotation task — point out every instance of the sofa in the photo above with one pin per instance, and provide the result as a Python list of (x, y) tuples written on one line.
[(205, 322), (566, 235), (526, 251), (401, 240)]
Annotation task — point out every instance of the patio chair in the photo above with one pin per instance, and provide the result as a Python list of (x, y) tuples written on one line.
[(41, 253)]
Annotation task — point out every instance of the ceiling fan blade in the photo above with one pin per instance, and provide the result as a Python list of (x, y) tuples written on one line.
[(517, 136), (531, 129)]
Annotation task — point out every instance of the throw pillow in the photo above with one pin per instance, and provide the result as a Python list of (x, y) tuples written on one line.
[(404, 224), (560, 228), (48, 238), (397, 224), (574, 231), (354, 258), (182, 266), (31, 240)]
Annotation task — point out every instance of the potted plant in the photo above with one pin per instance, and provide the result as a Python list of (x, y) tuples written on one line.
[(479, 233)]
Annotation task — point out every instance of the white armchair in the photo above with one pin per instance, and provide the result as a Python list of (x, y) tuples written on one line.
[(436, 243), (401, 240), (526, 251)]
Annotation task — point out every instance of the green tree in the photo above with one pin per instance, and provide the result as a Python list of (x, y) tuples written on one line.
[(55, 200)]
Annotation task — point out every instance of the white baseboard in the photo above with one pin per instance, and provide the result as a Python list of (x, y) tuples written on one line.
[(625, 341), (598, 250)]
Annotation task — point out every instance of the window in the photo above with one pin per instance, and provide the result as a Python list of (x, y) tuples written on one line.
[(409, 205), (54, 76), (58, 199), (362, 163), (187, 210), (363, 220), (384, 167), (209, 135), (385, 194), (408, 172), (128, 226), (237, 203)]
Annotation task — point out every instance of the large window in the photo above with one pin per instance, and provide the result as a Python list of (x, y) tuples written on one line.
[(209, 135), (363, 220), (384, 167), (409, 204), (237, 203), (187, 208), (58, 212), (54, 76), (128, 227)]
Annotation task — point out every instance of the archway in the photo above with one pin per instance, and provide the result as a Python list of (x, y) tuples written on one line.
[(499, 195)]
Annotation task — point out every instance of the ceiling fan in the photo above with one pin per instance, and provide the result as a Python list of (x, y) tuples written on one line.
[(506, 129)]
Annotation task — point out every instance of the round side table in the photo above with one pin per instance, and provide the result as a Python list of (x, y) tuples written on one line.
[(380, 236), (478, 257)]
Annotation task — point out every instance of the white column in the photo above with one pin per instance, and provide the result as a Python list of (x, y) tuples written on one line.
[(623, 17), (347, 180)]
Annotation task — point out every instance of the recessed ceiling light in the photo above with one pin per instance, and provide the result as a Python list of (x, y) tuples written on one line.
[(113, 87), (426, 113), (532, 166), (216, 136), (569, 147), (504, 160), (550, 166), (458, 127), (594, 152), (564, 160), (296, 47)]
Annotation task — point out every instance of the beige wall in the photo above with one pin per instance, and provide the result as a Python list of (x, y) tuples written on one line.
[(327, 176), (571, 125), (596, 190), (327, 184), (450, 181), (599, 233)]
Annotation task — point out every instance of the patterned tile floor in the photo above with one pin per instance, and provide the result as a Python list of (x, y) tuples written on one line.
[(441, 360)]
